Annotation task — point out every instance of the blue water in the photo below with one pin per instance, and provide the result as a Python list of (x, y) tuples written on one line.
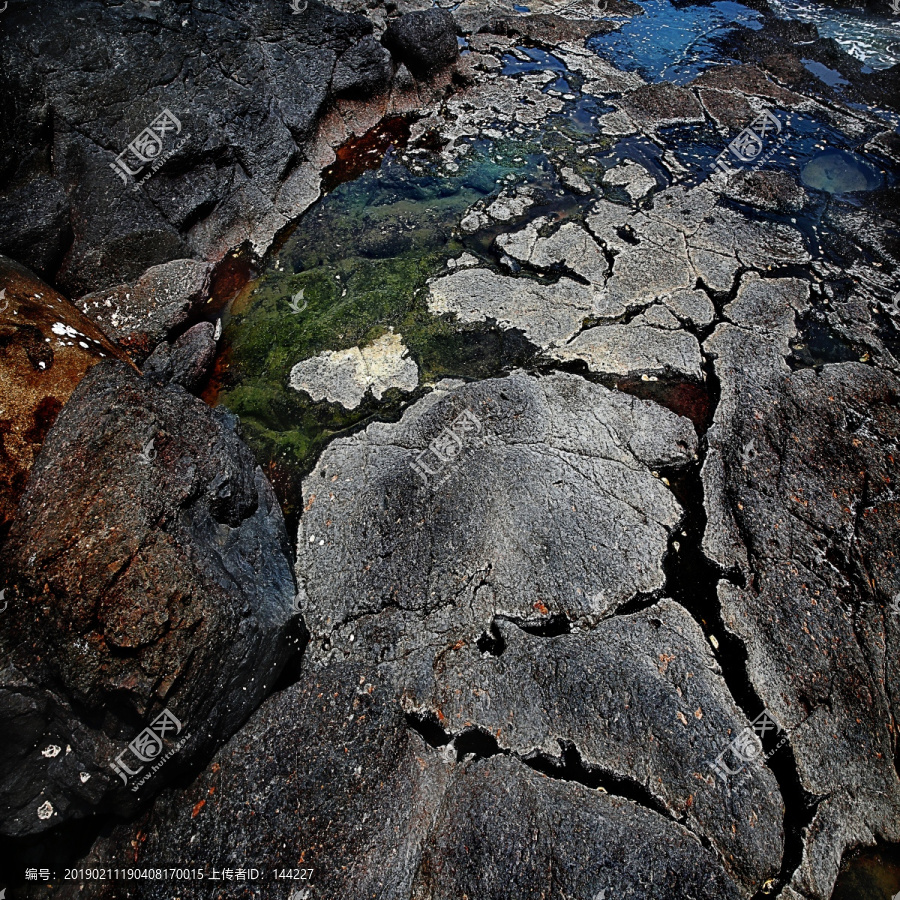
[(675, 44), (670, 44), (872, 39), (824, 73)]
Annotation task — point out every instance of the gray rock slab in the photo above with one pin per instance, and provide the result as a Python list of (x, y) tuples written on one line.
[(345, 376), (635, 349), (547, 314), (561, 527), (331, 770), (570, 246), (799, 499)]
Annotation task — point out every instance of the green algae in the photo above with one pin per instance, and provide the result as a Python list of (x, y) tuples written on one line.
[(362, 258)]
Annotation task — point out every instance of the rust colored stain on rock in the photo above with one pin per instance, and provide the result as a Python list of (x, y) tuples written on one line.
[(686, 398), (46, 347), (361, 154)]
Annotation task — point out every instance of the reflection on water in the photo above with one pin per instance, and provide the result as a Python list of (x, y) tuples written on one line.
[(670, 43), (839, 172), (676, 43)]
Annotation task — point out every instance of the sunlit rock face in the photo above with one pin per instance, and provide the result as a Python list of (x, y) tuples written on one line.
[(345, 376)]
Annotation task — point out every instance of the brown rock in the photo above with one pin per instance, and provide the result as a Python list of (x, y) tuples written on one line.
[(728, 108), (748, 80), (662, 104), (46, 347)]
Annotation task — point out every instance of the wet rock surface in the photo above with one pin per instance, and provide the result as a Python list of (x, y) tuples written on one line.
[(148, 568)]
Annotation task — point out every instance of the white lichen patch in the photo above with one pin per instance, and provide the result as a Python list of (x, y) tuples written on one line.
[(344, 376)]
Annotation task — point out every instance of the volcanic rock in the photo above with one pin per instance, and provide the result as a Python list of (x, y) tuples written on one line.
[(147, 570), (424, 41), (800, 498), (186, 362), (46, 347), (142, 314)]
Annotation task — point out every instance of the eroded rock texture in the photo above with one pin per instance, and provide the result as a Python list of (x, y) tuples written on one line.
[(799, 487), (46, 347), (148, 568)]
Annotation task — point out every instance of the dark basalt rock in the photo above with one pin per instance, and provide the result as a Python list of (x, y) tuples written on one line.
[(364, 70), (662, 104), (148, 568), (161, 301), (423, 41), (247, 82), (34, 224), (473, 720), (186, 362), (375, 811)]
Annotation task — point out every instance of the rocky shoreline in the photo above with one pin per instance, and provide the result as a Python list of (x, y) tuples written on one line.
[(532, 618)]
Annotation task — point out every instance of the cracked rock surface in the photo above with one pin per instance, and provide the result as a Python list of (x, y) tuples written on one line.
[(462, 694), (249, 85), (798, 484)]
